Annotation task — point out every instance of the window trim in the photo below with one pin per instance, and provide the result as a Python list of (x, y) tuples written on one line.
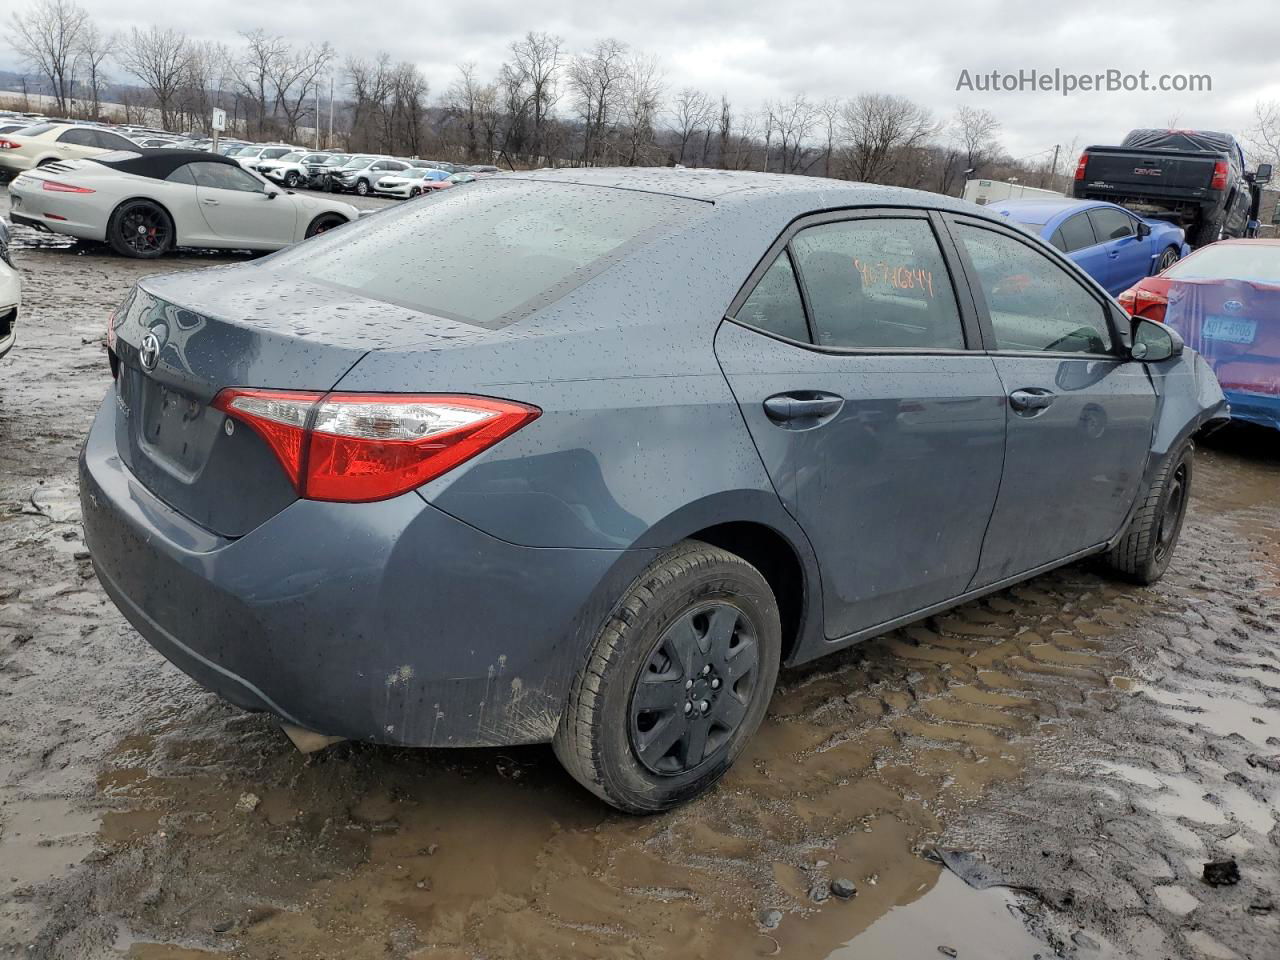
[(970, 328), (1120, 338)]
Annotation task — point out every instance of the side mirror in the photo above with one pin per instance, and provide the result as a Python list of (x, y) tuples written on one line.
[(1153, 342), (271, 194), (1144, 230), (1262, 174)]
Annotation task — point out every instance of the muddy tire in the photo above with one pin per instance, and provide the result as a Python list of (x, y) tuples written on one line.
[(676, 682), (1209, 232), (1144, 552)]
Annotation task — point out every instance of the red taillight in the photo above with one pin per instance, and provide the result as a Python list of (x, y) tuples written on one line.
[(1150, 305), (7, 144), (358, 447), (1144, 303), (1080, 165), (53, 186), (1219, 181)]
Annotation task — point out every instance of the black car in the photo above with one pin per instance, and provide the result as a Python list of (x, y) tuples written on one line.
[(1195, 178)]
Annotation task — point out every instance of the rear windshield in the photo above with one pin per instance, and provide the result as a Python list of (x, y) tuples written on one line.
[(522, 244), (1257, 263), (36, 129)]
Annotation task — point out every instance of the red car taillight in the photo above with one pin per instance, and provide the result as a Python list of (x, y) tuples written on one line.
[(358, 447), (1080, 165), (53, 186), (7, 144), (1219, 181), (1144, 303)]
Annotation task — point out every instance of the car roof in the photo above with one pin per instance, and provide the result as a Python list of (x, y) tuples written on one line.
[(1043, 209), (735, 186), (1237, 241)]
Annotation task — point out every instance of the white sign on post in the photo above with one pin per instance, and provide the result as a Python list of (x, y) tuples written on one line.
[(219, 119)]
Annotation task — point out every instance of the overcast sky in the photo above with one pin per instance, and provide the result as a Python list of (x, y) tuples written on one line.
[(755, 51)]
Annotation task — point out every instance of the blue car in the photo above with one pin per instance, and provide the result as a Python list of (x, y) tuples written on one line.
[(1112, 245), (667, 431)]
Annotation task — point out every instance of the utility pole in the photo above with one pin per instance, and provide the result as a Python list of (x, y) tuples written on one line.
[(317, 118), (330, 110), (1053, 170)]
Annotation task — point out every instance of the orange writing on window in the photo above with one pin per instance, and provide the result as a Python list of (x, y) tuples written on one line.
[(897, 276)]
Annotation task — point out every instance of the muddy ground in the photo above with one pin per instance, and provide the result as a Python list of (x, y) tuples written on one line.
[(1076, 749)]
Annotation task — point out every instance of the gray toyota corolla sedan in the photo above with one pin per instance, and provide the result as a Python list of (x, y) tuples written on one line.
[(584, 457)]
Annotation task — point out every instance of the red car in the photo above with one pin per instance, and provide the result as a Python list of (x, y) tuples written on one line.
[(1224, 300)]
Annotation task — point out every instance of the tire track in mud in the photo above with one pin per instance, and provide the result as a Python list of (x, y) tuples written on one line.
[(1049, 731)]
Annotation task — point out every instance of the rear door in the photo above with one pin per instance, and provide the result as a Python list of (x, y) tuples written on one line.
[(238, 208), (1079, 412), (850, 356), (1128, 258)]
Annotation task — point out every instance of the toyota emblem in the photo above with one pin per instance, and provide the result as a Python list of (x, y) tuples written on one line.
[(1233, 306), (149, 353)]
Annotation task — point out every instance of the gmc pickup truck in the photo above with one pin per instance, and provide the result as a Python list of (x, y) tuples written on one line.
[(1195, 178)]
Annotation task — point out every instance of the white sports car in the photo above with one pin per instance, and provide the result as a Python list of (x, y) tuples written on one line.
[(146, 202), (10, 293)]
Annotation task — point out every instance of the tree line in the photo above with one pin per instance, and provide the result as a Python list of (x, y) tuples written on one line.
[(608, 104)]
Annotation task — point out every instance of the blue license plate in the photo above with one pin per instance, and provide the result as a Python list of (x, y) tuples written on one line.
[(1229, 329)]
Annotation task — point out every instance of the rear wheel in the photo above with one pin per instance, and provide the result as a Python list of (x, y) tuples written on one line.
[(1208, 232), (140, 228), (1167, 259), (324, 223), (676, 682), (1143, 553)]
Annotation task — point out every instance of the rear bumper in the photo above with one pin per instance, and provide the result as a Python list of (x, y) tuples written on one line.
[(391, 622), (1260, 408)]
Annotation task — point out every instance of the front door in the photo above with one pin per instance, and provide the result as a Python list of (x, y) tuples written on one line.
[(882, 432), (1079, 413), (237, 207)]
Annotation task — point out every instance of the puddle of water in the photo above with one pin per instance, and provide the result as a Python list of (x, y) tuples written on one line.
[(40, 840), (1221, 715), (974, 923)]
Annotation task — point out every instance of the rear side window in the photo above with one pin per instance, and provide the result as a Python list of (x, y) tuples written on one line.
[(182, 175), (80, 136), (1077, 233), (224, 176), (524, 244), (775, 305), (878, 283), (1034, 304), (1111, 224)]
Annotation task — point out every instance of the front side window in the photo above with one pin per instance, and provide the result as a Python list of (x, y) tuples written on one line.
[(112, 141), (878, 283), (775, 305), (1034, 304), (1077, 233), (224, 176), (1111, 224), (526, 244)]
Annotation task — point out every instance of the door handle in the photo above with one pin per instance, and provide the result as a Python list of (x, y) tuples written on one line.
[(802, 409), (1030, 399), (1113, 254), (209, 202)]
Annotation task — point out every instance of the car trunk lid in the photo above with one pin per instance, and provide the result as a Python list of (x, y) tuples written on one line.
[(179, 340)]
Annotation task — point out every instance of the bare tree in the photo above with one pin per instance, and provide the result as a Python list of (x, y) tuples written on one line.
[(254, 70), (47, 37), (536, 59), (595, 80), (880, 129), (692, 111), (830, 111), (974, 131), (159, 58), (724, 128), (92, 50), (1264, 134), (795, 120), (642, 99), (294, 74), (463, 99)]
